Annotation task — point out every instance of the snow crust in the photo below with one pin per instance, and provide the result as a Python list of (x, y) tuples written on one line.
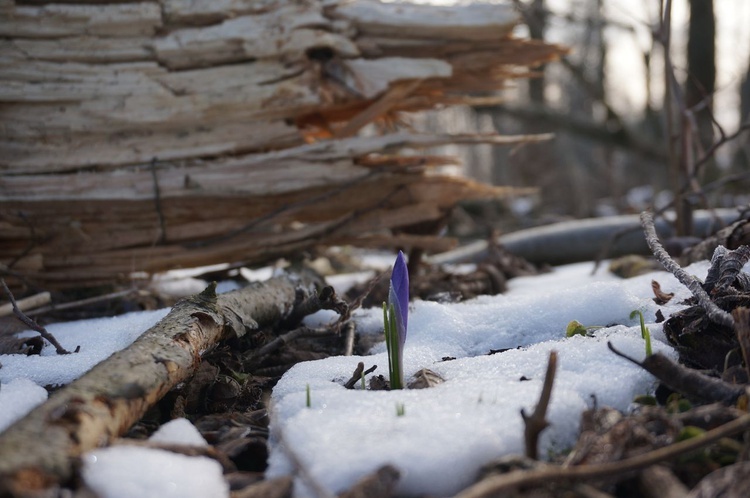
[(449, 431), (97, 337), (134, 472), (17, 398)]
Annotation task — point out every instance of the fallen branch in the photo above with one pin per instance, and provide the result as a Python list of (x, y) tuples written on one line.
[(43, 448), (576, 240), (714, 313), (26, 303)]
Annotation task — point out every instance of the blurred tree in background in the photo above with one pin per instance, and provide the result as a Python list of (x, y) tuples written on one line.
[(612, 153)]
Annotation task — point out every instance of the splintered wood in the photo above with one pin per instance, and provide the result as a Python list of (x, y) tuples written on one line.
[(139, 137)]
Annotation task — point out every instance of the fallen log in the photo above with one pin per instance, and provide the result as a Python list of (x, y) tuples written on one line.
[(583, 240), (144, 136), (42, 449)]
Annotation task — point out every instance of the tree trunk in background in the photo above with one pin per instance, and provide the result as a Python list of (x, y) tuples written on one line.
[(537, 25), (701, 58), (741, 160)]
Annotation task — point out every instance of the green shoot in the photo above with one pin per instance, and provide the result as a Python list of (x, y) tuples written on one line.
[(392, 345), (645, 333), (308, 401), (577, 328), (400, 409), (645, 400)]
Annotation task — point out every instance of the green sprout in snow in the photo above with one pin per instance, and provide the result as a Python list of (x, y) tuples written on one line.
[(645, 333), (400, 409), (577, 328), (395, 318), (308, 401)]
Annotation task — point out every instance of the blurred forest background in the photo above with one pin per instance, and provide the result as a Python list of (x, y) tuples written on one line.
[(611, 111)]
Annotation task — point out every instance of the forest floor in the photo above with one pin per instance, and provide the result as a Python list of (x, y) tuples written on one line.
[(301, 416)]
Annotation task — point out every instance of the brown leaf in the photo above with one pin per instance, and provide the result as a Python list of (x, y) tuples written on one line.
[(661, 296)]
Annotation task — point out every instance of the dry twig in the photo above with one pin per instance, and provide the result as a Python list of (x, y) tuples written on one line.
[(715, 314), (357, 375), (742, 329), (686, 381), (31, 323), (537, 422)]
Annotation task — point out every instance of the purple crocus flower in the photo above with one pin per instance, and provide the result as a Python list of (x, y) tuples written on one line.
[(398, 303), (398, 296)]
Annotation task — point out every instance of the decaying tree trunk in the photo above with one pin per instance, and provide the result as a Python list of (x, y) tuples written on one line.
[(42, 448), (142, 136)]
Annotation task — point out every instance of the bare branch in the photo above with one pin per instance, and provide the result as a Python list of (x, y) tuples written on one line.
[(715, 314), (31, 323)]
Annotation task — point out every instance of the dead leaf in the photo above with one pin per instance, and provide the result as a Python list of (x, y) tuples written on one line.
[(425, 378), (661, 296)]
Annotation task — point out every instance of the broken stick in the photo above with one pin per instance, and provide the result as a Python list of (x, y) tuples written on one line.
[(43, 448)]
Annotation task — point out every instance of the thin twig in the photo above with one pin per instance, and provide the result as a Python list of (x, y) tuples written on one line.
[(290, 336), (31, 323), (686, 381), (714, 313), (496, 484), (537, 421), (81, 302), (742, 329), (708, 154), (350, 331)]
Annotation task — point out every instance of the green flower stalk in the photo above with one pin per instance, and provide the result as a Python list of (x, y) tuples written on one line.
[(395, 320), (645, 332)]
